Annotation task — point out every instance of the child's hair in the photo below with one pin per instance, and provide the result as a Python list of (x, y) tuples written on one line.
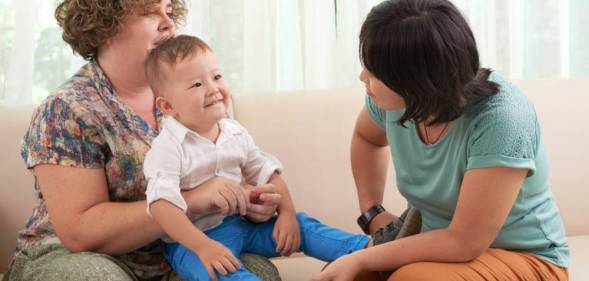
[(425, 51), (165, 56)]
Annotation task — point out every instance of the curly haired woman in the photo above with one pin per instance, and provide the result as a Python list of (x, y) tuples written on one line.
[(86, 144)]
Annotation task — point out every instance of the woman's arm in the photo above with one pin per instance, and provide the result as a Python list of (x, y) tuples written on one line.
[(84, 219), (486, 197), (370, 161)]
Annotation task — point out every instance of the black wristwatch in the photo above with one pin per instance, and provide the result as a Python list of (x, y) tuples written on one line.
[(365, 218)]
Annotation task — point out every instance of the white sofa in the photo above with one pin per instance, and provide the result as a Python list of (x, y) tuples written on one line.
[(310, 133)]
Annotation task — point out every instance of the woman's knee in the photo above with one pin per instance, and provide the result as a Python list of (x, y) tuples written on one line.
[(79, 266), (260, 266), (420, 271), (97, 267)]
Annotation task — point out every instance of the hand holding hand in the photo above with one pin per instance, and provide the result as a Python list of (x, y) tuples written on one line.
[(263, 200), (218, 193)]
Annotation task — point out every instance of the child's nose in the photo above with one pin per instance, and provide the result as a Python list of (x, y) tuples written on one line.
[(213, 91)]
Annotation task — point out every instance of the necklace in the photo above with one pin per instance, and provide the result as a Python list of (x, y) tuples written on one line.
[(439, 136)]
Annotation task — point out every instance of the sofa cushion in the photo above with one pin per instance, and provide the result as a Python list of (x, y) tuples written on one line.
[(579, 269)]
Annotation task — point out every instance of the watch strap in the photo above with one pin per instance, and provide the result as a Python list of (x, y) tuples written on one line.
[(365, 218)]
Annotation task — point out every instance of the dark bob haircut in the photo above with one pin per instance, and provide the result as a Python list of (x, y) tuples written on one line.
[(425, 51)]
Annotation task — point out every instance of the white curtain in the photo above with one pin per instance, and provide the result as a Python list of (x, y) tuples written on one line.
[(284, 45), (269, 45)]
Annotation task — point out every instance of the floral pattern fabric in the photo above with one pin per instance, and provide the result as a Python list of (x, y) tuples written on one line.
[(84, 124)]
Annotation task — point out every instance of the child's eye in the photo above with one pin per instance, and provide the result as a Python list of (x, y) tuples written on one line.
[(196, 85), (218, 76)]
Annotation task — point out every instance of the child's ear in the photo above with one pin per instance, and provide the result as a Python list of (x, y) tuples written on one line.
[(165, 106)]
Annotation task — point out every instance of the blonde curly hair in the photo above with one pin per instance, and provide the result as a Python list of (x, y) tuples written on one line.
[(87, 24)]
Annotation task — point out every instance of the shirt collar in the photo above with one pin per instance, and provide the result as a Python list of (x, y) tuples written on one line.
[(176, 128), (179, 131)]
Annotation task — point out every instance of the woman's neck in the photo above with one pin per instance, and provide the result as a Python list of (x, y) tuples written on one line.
[(129, 83), (126, 76), (433, 133)]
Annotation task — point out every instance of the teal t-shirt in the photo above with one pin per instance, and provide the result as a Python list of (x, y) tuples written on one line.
[(501, 130)]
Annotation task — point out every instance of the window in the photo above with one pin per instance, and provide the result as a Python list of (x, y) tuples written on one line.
[(282, 45)]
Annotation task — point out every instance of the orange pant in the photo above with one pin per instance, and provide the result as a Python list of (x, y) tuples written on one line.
[(493, 265)]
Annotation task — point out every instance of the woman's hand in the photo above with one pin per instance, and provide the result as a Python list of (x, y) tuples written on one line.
[(218, 193), (343, 269), (287, 234), (264, 202)]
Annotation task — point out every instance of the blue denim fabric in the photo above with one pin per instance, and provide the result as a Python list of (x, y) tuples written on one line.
[(317, 240)]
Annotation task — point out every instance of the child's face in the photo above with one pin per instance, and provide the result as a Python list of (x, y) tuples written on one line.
[(195, 92), (382, 95)]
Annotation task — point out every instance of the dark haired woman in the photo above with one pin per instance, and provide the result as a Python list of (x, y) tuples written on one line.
[(467, 152)]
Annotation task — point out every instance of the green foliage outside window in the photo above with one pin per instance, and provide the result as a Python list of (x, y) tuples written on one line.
[(52, 56)]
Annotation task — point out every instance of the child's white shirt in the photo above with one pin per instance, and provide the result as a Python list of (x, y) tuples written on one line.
[(180, 159)]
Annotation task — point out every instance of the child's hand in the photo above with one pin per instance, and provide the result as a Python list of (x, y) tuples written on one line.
[(287, 234), (220, 194), (216, 257)]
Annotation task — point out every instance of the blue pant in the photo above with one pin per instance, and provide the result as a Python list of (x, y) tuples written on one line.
[(317, 240)]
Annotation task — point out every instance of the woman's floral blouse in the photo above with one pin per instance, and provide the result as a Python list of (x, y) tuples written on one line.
[(84, 124)]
